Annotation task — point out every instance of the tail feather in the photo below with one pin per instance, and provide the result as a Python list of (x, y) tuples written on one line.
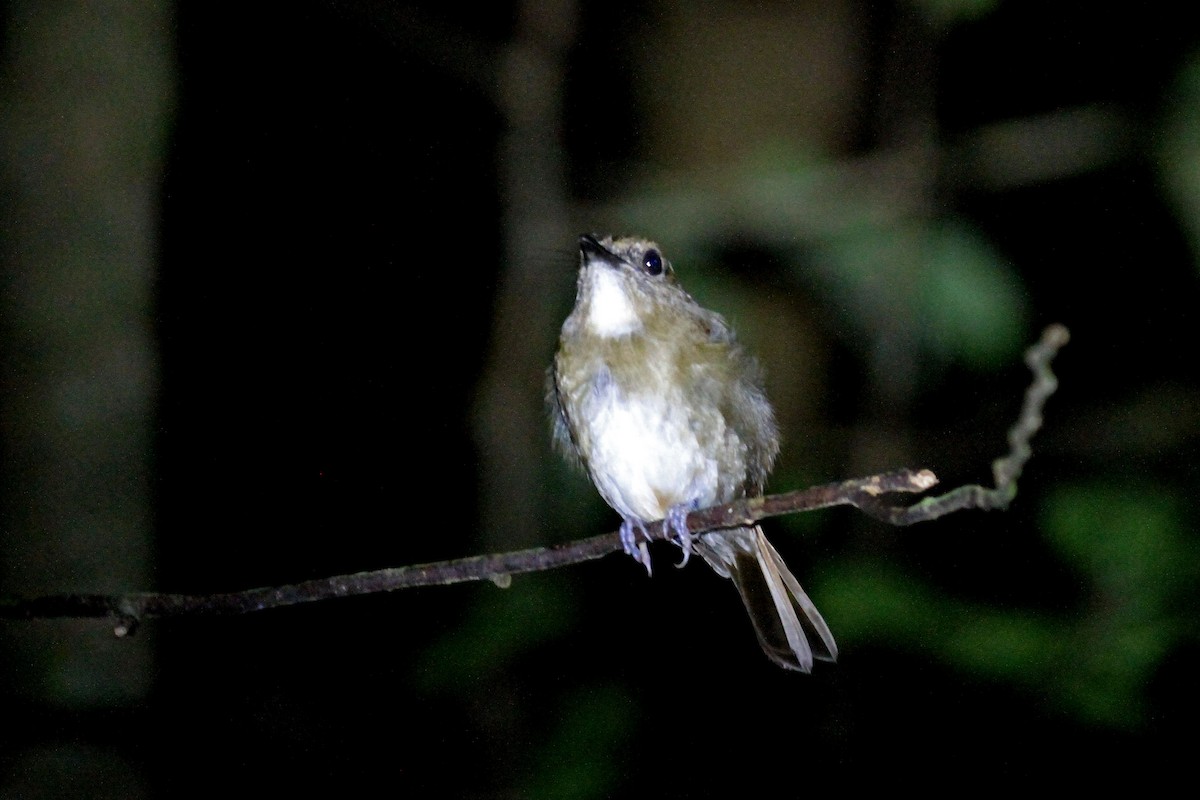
[(789, 627)]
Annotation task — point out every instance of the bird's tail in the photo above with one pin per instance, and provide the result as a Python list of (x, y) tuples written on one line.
[(789, 627)]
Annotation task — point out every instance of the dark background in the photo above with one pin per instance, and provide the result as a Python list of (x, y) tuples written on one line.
[(361, 244)]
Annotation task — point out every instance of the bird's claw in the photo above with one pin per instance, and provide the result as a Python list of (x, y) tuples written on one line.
[(632, 545), (676, 523), (674, 526)]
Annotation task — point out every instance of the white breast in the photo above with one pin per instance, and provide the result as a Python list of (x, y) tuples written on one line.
[(646, 457)]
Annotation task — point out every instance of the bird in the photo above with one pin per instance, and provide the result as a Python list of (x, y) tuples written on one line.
[(652, 395)]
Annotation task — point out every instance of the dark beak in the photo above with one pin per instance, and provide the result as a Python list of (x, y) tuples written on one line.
[(591, 250)]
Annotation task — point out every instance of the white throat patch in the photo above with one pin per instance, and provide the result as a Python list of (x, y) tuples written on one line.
[(610, 313)]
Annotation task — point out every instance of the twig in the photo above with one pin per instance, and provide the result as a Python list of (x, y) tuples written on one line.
[(867, 494), (1005, 470)]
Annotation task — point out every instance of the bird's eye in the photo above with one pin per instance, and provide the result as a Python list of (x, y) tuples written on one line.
[(652, 262)]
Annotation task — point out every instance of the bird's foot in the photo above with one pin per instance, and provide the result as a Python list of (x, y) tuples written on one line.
[(634, 546), (676, 523)]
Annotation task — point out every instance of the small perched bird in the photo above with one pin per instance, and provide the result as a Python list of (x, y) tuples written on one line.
[(652, 395)]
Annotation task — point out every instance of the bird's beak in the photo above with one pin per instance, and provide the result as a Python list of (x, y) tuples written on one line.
[(591, 251)]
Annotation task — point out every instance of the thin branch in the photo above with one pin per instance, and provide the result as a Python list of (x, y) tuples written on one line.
[(867, 494)]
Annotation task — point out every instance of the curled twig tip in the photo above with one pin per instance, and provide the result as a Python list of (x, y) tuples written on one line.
[(1056, 335)]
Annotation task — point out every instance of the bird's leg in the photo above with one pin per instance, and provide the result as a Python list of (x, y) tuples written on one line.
[(676, 522)]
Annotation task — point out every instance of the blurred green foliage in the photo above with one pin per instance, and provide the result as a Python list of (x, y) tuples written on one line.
[(502, 626), (939, 281), (1178, 150), (1128, 547), (573, 754), (581, 755), (1129, 542)]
